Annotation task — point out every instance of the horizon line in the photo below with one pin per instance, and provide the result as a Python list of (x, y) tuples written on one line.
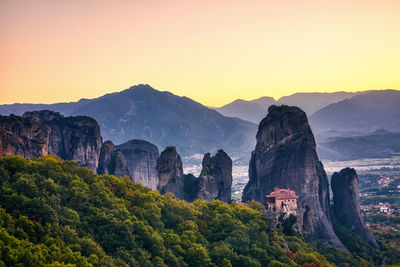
[(209, 106)]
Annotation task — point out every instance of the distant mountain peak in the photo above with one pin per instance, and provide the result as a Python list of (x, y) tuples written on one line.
[(142, 112), (381, 132), (139, 88), (142, 86)]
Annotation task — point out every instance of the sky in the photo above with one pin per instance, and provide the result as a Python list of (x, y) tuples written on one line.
[(213, 51)]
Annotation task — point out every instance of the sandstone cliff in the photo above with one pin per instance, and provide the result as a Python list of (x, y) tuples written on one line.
[(346, 202), (21, 136), (120, 165), (141, 159), (40, 133), (170, 173), (106, 158), (207, 184), (136, 159), (72, 138), (285, 156), (215, 181)]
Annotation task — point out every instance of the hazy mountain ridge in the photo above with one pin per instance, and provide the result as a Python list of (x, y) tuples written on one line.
[(165, 119), (345, 129), (255, 110), (311, 102), (376, 145), (365, 113), (162, 118)]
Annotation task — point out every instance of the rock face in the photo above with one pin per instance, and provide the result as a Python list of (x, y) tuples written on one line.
[(141, 159), (112, 161), (285, 157), (106, 159), (24, 137), (135, 113), (191, 187), (215, 181), (207, 184), (136, 159), (347, 204), (120, 165), (71, 138), (170, 173), (40, 133)]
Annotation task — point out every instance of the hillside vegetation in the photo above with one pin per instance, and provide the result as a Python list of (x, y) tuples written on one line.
[(54, 212)]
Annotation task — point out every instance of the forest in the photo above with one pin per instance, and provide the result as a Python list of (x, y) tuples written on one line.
[(55, 213)]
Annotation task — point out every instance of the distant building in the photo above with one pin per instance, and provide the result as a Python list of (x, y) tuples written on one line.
[(385, 208), (283, 200), (384, 181)]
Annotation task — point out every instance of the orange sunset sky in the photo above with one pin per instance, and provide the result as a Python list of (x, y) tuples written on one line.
[(211, 51)]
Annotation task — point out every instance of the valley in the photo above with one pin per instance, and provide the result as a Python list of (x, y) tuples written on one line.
[(285, 155), (199, 133)]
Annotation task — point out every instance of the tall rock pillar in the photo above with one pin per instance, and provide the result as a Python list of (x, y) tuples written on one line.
[(285, 156)]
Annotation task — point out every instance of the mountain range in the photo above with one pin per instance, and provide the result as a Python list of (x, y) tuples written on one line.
[(363, 113), (255, 110), (380, 144), (164, 119)]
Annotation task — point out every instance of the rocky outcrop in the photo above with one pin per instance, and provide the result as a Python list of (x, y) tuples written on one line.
[(141, 159), (207, 184), (346, 202), (285, 157), (120, 165), (71, 138), (136, 159), (190, 187), (106, 158), (112, 161), (24, 137), (40, 133), (170, 173), (215, 181)]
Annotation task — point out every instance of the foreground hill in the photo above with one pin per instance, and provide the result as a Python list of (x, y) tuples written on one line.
[(54, 212), (363, 113), (162, 118)]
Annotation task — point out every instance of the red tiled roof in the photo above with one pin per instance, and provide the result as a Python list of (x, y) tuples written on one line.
[(282, 194)]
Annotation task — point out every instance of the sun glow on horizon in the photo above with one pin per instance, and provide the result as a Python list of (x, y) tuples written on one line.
[(213, 52)]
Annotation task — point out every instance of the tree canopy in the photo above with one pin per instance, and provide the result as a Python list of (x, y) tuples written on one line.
[(55, 212)]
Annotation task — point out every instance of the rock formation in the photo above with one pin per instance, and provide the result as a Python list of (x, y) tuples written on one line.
[(21, 136), (120, 166), (71, 138), (215, 181), (136, 159), (106, 158), (285, 157), (112, 161), (40, 133), (170, 173), (190, 187), (207, 184), (346, 202), (141, 159)]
